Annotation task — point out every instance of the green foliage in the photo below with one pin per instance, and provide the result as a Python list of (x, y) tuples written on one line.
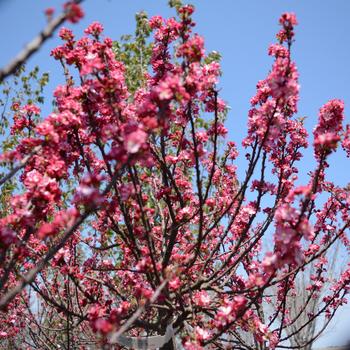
[(6, 192), (213, 56), (22, 88), (175, 4), (135, 52)]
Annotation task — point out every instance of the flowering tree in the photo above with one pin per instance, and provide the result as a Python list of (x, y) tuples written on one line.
[(302, 302), (129, 218)]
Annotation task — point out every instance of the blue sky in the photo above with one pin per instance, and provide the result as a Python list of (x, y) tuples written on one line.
[(241, 31)]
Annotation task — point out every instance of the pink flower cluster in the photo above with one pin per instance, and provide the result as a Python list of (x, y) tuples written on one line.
[(327, 133), (124, 190)]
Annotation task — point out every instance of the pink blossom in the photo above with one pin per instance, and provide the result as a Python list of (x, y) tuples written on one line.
[(94, 29), (134, 141), (49, 11), (202, 334), (66, 34), (202, 298), (175, 283), (346, 141), (74, 12), (329, 127)]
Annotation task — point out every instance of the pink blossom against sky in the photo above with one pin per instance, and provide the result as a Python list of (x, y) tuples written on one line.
[(241, 31)]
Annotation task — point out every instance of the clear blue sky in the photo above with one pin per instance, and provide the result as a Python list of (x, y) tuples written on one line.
[(241, 31)]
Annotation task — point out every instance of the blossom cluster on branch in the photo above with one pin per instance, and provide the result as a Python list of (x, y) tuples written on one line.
[(123, 190)]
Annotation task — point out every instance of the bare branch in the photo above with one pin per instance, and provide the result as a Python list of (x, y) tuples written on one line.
[(34, 45)]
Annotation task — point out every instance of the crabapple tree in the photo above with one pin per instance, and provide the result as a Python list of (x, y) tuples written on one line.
[(126, 217)]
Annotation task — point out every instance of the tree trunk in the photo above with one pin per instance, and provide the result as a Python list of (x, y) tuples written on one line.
[(170, 345)]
